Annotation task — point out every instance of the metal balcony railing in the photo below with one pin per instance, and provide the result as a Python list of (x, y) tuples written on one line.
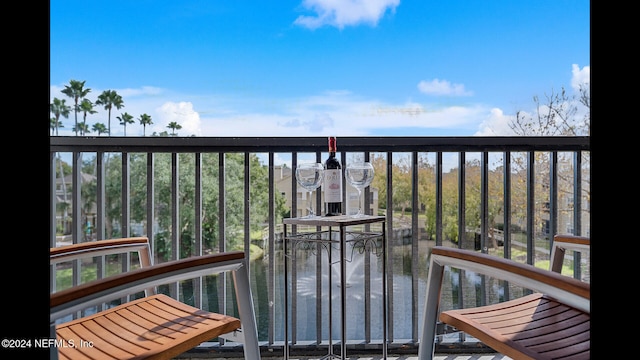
[(506, 196)]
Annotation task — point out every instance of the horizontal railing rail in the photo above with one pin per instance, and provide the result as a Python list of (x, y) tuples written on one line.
[(313, 144), (543, 188)]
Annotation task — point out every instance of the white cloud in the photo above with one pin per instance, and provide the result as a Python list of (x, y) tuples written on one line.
[(442, 87), (342, 114), (341, 13), (580, 76), (496, 124), (183, 114)]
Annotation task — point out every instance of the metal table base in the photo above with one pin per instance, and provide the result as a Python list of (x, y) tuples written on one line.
[(340, 222)]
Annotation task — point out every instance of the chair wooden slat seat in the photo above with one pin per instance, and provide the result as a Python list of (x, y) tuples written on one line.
[(534, 324), (155, 326)]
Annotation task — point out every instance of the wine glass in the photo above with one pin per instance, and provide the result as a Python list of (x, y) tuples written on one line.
[(359, 175), (310, 176)]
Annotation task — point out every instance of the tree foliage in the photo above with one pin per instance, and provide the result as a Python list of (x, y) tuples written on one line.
[(125, 118), (77, 92), (110, 99), (145, 119), (163, 223), (58, 108)]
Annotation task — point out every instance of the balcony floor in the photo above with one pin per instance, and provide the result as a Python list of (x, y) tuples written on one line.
[(379, 357), (436, 357), (231, 351)]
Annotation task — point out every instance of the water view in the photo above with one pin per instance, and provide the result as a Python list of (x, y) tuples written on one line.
[(312, 277), (314, 274)]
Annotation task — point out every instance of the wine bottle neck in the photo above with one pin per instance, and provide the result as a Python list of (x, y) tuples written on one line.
[(332, 146)]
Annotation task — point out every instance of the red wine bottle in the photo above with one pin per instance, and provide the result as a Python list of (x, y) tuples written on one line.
[(332, 181)]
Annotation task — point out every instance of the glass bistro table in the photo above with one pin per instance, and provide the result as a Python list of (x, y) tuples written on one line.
[(332, 232)]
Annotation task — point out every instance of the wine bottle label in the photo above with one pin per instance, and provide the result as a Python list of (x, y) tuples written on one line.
[(332, 185)]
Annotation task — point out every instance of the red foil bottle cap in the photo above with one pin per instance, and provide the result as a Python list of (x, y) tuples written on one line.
[(332, 144)]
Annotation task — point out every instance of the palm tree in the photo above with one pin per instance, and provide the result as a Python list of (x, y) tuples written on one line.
[(59, 108), (144, 121), (76, 91), (86, 106), (83, 128), (174, 126), (125, 119), (100, 128), (55, 124), (110, 99)]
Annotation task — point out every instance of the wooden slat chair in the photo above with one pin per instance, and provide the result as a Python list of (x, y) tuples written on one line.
[(155, 326), (552, 323)]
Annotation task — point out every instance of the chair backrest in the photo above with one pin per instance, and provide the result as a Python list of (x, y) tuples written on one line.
[(562, 243)]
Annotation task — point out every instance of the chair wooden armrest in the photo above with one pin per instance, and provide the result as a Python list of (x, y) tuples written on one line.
[(511, 327), (564, 242), (102, 247), (155, 326)]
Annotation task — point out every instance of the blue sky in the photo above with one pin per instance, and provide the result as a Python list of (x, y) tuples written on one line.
[(319, 67)]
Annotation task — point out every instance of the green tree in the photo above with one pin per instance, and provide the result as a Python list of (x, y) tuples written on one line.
[(427, 193), (62, 170), (88, 192), (86, 106), (426, 188), (401, 185), (77, 92), (125, 119), (54, 125), (174, 126), (450, 199), (145, 120), (163, 197), (379, 179), (82, 128), (110, 99), (100, 128), (59, 108)]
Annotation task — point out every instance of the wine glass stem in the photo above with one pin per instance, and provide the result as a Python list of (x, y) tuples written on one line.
[(311, 213), (359, 202)]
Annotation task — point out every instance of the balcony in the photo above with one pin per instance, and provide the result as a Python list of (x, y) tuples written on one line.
[(505, 196)]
